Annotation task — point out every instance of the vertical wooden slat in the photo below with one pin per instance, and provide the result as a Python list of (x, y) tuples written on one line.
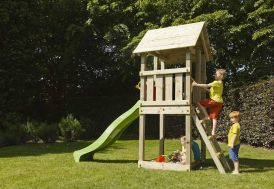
[(150, 88), (143, 80), (142, 117), (159, 87), (203, 96), (178, 86), (168, 87), (198, 73), (188, 117), (203, 74)]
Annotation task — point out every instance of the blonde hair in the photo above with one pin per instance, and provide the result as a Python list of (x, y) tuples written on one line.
[(234, 114), (222, 71)]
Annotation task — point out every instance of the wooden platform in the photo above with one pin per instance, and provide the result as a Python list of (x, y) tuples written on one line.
[(168, 166), (163, 166)]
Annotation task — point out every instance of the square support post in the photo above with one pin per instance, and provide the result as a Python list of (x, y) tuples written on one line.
[(162, 116), (142, 118), (203, 96), (188, 124)]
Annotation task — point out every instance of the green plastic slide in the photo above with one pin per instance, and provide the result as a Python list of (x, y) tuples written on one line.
[(110, 135)]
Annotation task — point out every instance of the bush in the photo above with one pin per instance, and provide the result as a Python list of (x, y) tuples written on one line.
[(256, 104), (11, 130), (41, 131), (47, 132), (70, 128), (89, 127), (32, 130)]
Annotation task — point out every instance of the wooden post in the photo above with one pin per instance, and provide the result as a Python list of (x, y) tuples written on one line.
[(162, 134), (198, 73), (188, 124), (162, 116), (203, 96), (142, 118)]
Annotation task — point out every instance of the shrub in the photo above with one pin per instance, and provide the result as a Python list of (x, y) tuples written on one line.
[(47, 132), (88, 126), (32, 130), (11, 130), (256, 104), (70, 128)]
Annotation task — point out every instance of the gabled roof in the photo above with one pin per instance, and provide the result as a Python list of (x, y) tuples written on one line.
[(175, 37)]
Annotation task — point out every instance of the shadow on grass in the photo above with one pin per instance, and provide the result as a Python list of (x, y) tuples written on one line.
[(256, 165), (247, 164), (51, 148), (115, 161)]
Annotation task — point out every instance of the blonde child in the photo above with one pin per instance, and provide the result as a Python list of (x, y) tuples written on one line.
[(215, 102), (234, 140)]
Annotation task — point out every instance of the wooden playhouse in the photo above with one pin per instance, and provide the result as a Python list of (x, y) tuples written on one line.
[(178, 54)]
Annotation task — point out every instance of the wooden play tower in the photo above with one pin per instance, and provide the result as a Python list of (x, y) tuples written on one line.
[(170, 57)]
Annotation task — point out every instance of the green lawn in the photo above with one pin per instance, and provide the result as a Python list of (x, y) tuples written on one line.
[(52, 166)]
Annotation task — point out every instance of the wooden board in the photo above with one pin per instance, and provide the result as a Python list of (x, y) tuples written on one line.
[(163, 166), (168, 87), (164, 72), (150, 88), (142, 124), (165, 103), (209, 146), (178, 86), (165, 110), (159, 88), (188, 122), (143, 79), (162, 135), (170, 38)]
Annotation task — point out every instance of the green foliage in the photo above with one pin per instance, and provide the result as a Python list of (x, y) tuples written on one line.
[(32, 130), (256, 104), (53, 53), (47, 132), (88, 126), (11, 130), (70, 128), (41, 131)]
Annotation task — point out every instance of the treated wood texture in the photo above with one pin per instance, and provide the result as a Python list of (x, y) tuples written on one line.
[(163, 166), (150, 88), (165, 103), (203, 74), (162, 134), (188, 117), (164, 72), (165, 110), (170, 38), (168, 87), (198, 75), (209, 145), (159, 88), (142, 118), (143, 80), (142, 124), (178, 86)]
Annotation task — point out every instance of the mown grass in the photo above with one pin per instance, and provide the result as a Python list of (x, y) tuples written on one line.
[(52, 166)]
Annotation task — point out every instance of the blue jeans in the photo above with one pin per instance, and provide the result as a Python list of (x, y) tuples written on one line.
[(233, 153)]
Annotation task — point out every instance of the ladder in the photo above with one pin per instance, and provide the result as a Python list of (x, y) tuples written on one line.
[(211, 143)]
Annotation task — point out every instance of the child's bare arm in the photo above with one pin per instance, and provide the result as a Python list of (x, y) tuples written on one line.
[(195, 84)]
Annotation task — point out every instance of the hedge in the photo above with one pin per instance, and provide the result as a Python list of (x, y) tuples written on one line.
[(256, 104)]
